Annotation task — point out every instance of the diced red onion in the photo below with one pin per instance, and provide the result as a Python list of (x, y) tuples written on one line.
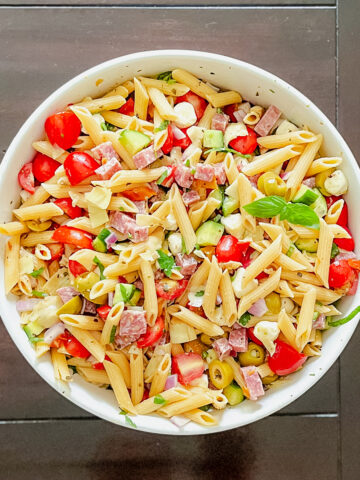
[(111, 299), (309, 182), (171, 381), (239, 115), (259, 308), (27, 305), (344, 256), (179, 421), (53, 332), (110, 239), (178, 134)]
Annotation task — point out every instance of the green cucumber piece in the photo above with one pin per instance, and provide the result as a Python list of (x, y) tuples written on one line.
[(307, 244), (213, 139), (319, 206), (229, 205), (209, 233), (217, 194), (305, 195), (99, 245), (32, 329), (123, 292), (233, 393), (133, 141)]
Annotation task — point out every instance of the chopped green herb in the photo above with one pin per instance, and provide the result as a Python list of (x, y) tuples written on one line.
[(121, 209), (205, 408), (159, 400), (193, 170), (127, 418), (183, 246), (130, 236), (219, 110), (200, 293), (290, 250), (226, 150), (346, 319), (315, 316), (101, 267), (204, 354), (112, 334), (271, 90), (334, 250), (166, 262), (107, 126), (163, 126), (197, 246), (37, 273), (162, 177), (244, 319), (166, 77), (257, 150), (38, 294), (187, 163)]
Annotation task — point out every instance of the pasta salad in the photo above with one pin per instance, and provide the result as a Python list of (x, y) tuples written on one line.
[(179, 245)]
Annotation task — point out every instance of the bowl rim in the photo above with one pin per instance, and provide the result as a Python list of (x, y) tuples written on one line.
[(203, 56)]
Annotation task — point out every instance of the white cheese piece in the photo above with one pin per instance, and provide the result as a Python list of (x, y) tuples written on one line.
[(186, 115), (98, 216), (175, 243), (170, 222), (44, 312), (267, 333), (26, 264), (99, 197), (233, 225), (286, 127), (234, 130), (202, 381), (336, 183), (196, 135)]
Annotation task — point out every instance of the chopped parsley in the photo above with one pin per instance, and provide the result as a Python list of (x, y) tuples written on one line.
[(200, 293), (38, 294), (101, 267), (244, 319), (163, 126), (166, 262), (166, 77), (219, 110), (37, 273), (187, 163), (107, 126), (159, 400), (127, 419)]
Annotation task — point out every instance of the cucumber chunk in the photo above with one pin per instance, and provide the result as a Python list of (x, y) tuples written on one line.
[(209, 233), (305, 195), (133, 141)]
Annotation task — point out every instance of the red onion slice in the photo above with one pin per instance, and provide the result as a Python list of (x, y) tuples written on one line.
[(178, 134), (259, 308), (26, 305), (53, 332), (171, 381), (111, 239)]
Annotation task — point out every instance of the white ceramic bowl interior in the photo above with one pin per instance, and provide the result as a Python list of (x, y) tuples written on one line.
[(255, 85)]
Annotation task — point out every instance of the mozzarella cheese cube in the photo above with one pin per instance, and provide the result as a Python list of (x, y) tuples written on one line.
[(233, 225), (186, 115), (267, 333), (336, 183)]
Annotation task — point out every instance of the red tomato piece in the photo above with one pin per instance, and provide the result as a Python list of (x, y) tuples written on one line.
[(170, 289), (100, 365), (230, 109), (247, 260), (197, 310), (137, 194), (152, 334), (345, 243), (128, 107), (188, 367), (251, 335), (169, 141), (340, 273), (197, 102), (78, 166), (66, 205), (76, 268), (344, 216), (285, 359), (145, 395), (61, 340), (103, 311), (245, 145), (76, 349), (26, 178), (229, 249), (262, 275), (332, 199), (73, 236), (184, 142), (56, 249), (63, 129), (44, 167)]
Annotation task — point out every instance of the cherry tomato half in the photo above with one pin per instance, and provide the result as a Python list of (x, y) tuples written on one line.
[(78, 166), (152, 335), (61, 340), (183, 143), (197, 102), (169, 142), (285, 359), (76, 268), (245, 145), (26, 178), (44, 167), (188, 367), (103, 311), (63, 129), (340, 273), (170, 289), (347, 244), (229, 249), (127, 108), (76, 349), (66, 205), (56, 250), (251, 335), (344, 216), (137, 194), (73, 236)]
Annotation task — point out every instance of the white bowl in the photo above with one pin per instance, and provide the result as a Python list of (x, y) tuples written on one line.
[(255, 85)]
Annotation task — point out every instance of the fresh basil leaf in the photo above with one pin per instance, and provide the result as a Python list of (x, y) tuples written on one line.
[(205, 408), (226, 150), (166, 77), (112, 334), (334, 250), (159, 400), (200, 293), (38, 294), (125, 293), (346, 319), (163, 126), (266, 207), (244, 319), (300, 214), (101, 267), (37, 273), (166, 262)]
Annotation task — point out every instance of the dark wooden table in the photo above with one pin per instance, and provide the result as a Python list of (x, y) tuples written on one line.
[(313, 45)]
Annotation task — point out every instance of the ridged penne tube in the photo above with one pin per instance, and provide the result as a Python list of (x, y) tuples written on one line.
[(238, 376), (222, 99), (102, 287), (120, 120), (194, 401), (322, 262), (159, 139), (89, 342), (86, 257), (279, 141), (111, 322), (121, 360), (150, 297), (202, 418), (338, 232), (194, 320), (99, 104), (141, 100), (211, 289), (11, 263), (61, 369), (254, 115), (305, 320), (91, 375), (228, 299), (42, 252), (305, 277), (24, 285), (46, 148), (196, 213), (205, 120), (160, 376), (211, 204), (302, 166), (265, 259), (195, 85), (89, 123), (264, 289), (35, 212), (13, 228), (182, 219), (245, 197), (264, 370), (85, 322), (40, 196), (287, 328), (198, 278), (161, 104), (131, 176), (271, 159), (41, 349), (119, 387), (175, 89), (137, 375), (323, 295), (119, 268), (170, 396), (63, 191), (333, 213), (119, 90), (78, 362), (288, 263), (321, 164), (83, 223), (231, 171)]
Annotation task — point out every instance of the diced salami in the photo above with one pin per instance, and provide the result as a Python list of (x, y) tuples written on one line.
[(132, 323), (220, 121), (220, 174), (238, 340), (267, 121), (183, 176), (144, 157), (141, 205), (159, 275), (123, 341), (187, 263), (253, 382), (139, 285), (320, 322), (104, 150), (222, 348), (88, 307), (190, 197), (67, 293), (127, 225), (107, 170), (204, 172)]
